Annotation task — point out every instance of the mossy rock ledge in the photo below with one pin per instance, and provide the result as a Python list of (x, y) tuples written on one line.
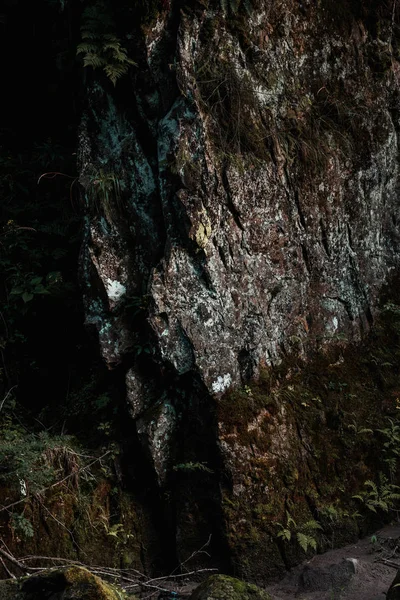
[(222, 587), (394, 590), (73, 583)]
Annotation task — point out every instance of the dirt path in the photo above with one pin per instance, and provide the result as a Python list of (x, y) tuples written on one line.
[(354, 572)]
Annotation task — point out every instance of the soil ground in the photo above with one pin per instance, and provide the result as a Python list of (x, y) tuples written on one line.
[(359, 571)]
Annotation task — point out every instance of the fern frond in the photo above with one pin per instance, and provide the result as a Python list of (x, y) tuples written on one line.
[(93, 60), (89, 35), (115, 71), (372, 485), (87, 48), (114, 45), (248, 6), (306, 541), (311, 526), (289, 519), (234, 5)]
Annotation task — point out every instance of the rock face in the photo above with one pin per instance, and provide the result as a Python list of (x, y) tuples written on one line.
[(242, 196), (394, 590)]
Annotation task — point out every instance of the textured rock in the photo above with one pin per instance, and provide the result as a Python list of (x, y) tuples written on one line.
[(73, 583), (253, 171), (394, 590)]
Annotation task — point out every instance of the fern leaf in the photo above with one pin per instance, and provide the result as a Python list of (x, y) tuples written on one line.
[(114, 71), (114, 45), (305, 541), (285, 534), (311, 526), (372, 485), (87, 48), (89, 35), (248, 6), (234, 5), (93, 60)]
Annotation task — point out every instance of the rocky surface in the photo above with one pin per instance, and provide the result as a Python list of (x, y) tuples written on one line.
[(221, 587), (73, 583), (242, 196)]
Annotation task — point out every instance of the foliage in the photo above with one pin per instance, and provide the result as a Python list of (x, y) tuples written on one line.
[(391, 445), (22, 526), (104, 192), (30, 462), (229, 98), (189, 467), (303, 533), (100, 46), (379, 497), (233, 6)]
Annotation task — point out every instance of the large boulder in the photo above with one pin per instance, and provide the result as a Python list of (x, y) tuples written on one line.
[(394, 590), (73, 583), (222, 587)]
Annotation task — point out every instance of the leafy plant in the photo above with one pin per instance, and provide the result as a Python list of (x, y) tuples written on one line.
[(233, 6), (302, 533), (21, 526), (391, 445), (379, 497), (192, 466), (100, 46), (104, 192)]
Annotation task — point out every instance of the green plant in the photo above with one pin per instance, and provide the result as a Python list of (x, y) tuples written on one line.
[(233, 6), (100, 46), (34, 461), (104, 192), (302, 533), (381, 496), (391, 445), (189, 467), (21, 526)]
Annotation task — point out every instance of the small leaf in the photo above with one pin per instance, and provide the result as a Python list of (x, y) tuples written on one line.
[(27, 297), (36, 280)]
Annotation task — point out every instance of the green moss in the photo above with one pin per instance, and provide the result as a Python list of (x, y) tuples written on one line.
[(9, 590), (287, 434), (222, 587)]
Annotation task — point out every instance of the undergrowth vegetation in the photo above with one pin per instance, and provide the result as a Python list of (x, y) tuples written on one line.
[(100, 46), (295, 425)]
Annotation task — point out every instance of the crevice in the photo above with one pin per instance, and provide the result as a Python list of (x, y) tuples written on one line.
[(299, 210), (350, 237), (306, 258), (222, 257), (231, 207), (324, 239), (369, 316), (346, 304)]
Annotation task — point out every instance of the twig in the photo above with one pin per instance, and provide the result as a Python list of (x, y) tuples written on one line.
[(6, 396), (389, 563), (14, 561), (179, 575), (7, 570), (61, 524), (53, 175)]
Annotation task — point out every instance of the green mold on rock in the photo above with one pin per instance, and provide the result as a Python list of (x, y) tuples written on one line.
[(73, 583), (222, 587)]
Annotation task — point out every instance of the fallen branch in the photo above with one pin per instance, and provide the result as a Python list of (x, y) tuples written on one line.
[(389, 563), (14, 561), (128, 578)]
